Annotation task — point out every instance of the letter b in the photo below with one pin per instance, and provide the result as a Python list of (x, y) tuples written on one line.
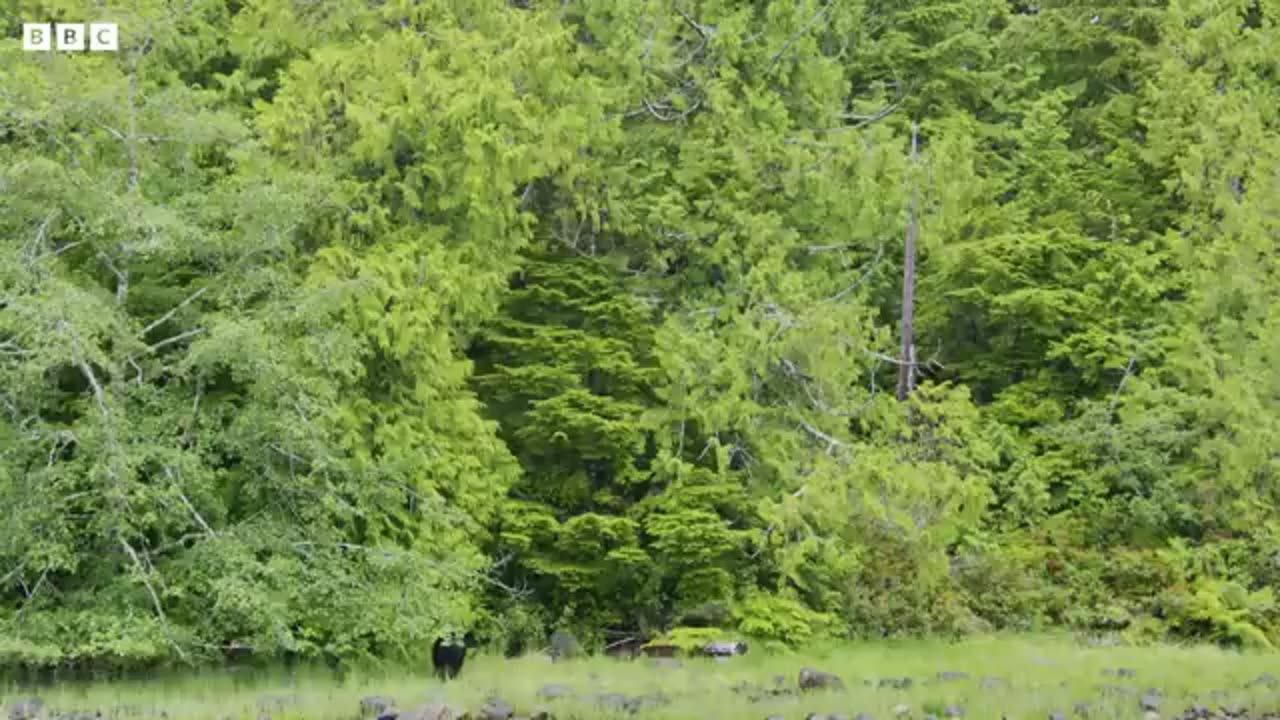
[(37, 36), (70, 36)]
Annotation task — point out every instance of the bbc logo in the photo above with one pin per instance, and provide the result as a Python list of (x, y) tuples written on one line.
[(70, 37)]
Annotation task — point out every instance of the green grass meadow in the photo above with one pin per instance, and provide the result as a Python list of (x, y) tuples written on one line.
[(1044, 675)]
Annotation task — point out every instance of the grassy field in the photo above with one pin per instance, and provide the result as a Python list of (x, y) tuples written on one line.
[(1043, 676)]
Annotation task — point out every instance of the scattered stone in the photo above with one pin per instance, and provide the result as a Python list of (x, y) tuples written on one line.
[(1267, 680), (953, 711), (563, 645), (811, 679), (1149, 702), (433, 711), (896, 683), (953, 676), (555, 691), (641, 702), (497, 709), (990, 683), (612, 701), (1057, 716), (26, 709), (725, 649), (1114, 690), (863, 716), (901, 710), (1082, 709), (375, 704)]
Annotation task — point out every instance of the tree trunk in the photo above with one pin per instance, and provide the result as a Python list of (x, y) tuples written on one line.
[(907, 358)]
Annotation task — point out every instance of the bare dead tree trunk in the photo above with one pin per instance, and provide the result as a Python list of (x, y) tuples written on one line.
[(907, 358)]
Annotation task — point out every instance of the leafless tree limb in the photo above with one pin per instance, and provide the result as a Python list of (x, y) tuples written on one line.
[(31, 593), (168, 471), (804, 29), (174, 311), (99, 396), (832, 443), (155, 599), (13, 573), (176, 338), (1115, 398), (705, 31), (871, 267)]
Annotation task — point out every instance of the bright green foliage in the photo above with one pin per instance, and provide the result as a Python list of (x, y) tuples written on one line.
[(567, 371), (312, 313)]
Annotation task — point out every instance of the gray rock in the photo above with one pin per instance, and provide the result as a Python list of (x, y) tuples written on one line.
[(555, 692), (26, 709), (497, 709), (564, 646), (953, 676), (636, 704), (375, 704), (725, 649), (811, 679), (612, 701), (433, 711), (1267, 680)]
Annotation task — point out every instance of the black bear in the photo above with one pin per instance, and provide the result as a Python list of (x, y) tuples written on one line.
[(447, 657)]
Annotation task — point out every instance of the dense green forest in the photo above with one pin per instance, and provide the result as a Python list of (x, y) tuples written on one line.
[(327, 325)]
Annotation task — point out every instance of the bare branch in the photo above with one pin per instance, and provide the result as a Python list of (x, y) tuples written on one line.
[(122, 277), (1115, 399), (865, 120), (705, 31), (176, 309), (9, 347), (155, 599), (176, 338), (12, 574), (871, 267), (813, 249), (832, 443), (59, 251), (190, 508), (98, 395), (796, 36), (31, 593)]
